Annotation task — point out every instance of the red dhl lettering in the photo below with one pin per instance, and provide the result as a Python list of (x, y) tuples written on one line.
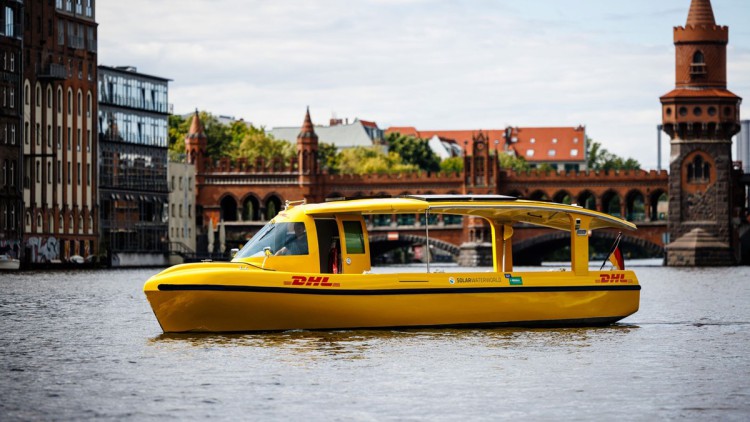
[(300, 280), (613, 278)]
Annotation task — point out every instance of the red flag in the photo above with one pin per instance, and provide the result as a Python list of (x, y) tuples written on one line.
[(616, 259)]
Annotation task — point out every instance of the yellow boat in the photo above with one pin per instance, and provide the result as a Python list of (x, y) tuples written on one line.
[(309, 268)]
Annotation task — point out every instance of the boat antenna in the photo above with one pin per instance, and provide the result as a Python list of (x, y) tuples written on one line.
[(614, 246), (427, 235)]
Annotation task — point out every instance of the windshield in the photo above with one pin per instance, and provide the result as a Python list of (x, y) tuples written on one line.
[(280, 238)]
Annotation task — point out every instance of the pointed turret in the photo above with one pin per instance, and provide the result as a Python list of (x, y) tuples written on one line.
[(307, 151), (700, 13), (196, 143), (307, 130)]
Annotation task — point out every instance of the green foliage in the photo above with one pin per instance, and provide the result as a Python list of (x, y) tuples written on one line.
[(413, 151), (510, 161), (328, 157), (601, 159), (177, 129), (234, 140), (452, 165), (257, 143), (370, 160)]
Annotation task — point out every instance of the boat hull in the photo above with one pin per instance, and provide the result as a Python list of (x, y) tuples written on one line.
[(220, 301)]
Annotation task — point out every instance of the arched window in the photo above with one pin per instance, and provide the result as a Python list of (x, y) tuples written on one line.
[(698, 66), (699, 170)]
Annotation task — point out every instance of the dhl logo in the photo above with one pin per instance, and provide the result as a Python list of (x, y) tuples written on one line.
[(613, 278), (300, 280)]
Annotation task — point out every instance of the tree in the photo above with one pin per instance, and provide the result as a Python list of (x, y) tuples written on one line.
[(328, 157), (371, 160), (452, 165), (601, 159), (413, 151), (234, 140), (513, 162), (257, 143)]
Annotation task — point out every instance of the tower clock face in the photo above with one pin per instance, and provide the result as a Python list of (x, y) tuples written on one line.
[(480, 146)]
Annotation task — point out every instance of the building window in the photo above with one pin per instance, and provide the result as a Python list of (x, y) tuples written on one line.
[(574, 152), (532, 140), (551, 153), (698, 66), (554, 140), (699, 170), (9, 26), (529, 152)]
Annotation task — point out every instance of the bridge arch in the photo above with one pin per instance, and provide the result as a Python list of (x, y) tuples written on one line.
[(531, 251), (563, 197), (251, 208), (539, 195), (587, 200), (272, 205), (383, 242), (658, 205), (635, 205), (611, 203), (228, 205)]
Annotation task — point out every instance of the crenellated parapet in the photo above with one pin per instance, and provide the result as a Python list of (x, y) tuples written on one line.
[(260, 165), (576, 176), (406, 177)]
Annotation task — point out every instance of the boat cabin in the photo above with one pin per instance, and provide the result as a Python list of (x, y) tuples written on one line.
[(332, 238)]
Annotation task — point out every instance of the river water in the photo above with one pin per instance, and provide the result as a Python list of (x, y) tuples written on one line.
[(85, 345)]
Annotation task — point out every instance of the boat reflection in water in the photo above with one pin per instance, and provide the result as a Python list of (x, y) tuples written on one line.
[(309, 268)]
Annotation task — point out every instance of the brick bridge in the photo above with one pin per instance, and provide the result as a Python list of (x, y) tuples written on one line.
[(244, 194)]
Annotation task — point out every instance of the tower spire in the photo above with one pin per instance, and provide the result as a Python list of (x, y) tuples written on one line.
[(700, 13), (196, 143), (307, 130)]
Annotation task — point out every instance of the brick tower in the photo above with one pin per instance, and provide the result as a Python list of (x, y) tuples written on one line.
[(307, 158), (196, 144), (701, 116)]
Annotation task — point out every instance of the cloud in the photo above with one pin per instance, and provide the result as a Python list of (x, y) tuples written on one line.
[(430, 64)]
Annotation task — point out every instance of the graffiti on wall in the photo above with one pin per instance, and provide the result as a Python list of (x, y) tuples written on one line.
[(44, 249), (11, 248)]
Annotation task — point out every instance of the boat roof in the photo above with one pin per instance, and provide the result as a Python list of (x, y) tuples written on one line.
[(498, 208)]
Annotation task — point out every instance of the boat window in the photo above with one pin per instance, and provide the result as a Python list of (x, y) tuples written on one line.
[(355, 240), (281, 238)]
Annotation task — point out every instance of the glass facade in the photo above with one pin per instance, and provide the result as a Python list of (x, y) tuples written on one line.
[(133, 158)]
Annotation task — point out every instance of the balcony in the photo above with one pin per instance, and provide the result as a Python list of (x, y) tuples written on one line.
[(51, 71)]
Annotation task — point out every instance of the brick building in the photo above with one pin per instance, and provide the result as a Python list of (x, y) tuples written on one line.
[(59, 131), (561, 148), (11, 204)]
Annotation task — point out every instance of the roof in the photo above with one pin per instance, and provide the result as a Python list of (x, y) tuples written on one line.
[(502, 209), (699, 93), (701, 13), (532, 143), (342, 136)]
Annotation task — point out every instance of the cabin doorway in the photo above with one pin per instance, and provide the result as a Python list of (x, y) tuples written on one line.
[(328, 245)]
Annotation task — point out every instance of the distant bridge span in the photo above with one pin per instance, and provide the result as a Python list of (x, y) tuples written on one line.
[(530, 243)]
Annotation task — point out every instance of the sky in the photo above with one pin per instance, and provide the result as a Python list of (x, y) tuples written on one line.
[(434, 65)]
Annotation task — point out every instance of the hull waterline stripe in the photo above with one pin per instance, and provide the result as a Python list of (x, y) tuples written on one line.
[(389, 292)]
